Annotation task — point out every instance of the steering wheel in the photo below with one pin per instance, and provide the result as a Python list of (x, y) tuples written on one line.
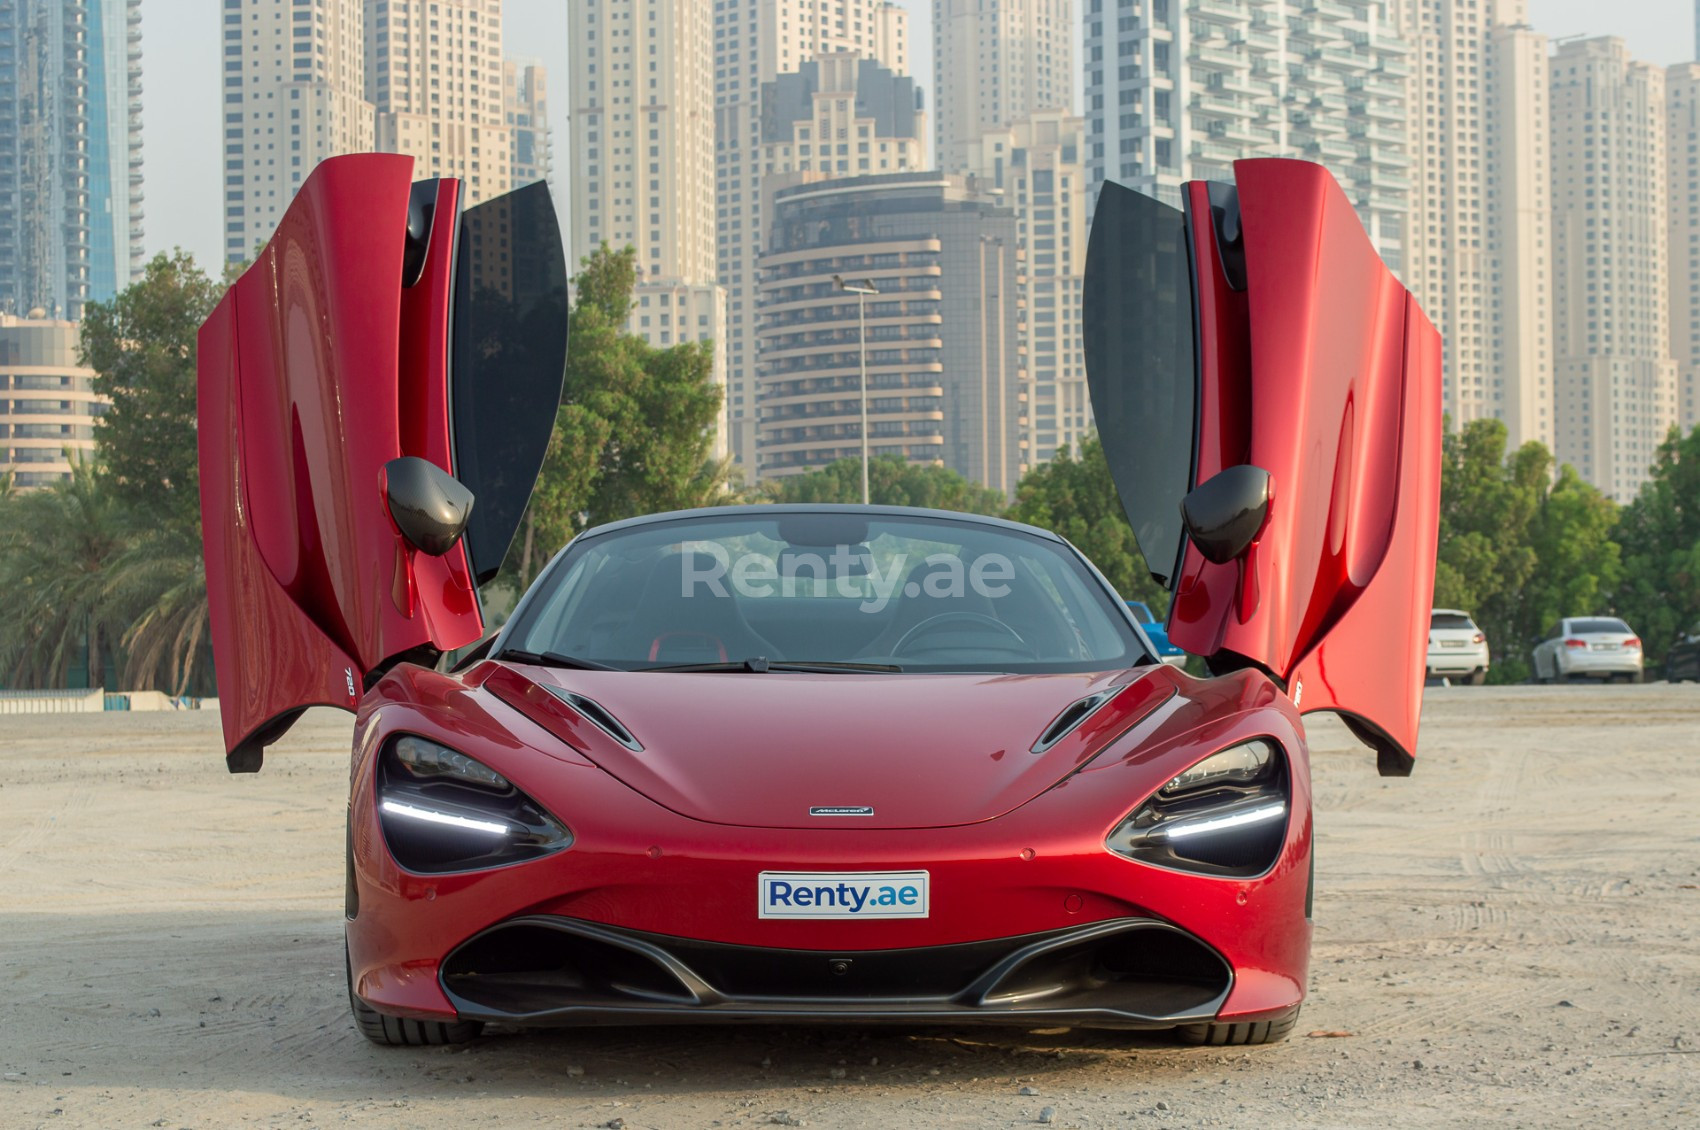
[(933, 623)]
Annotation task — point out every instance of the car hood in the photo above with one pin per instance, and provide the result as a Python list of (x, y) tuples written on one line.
[(762, 750)]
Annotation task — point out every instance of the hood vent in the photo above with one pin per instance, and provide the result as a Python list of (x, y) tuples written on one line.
[(1070, 719), (597, 715)]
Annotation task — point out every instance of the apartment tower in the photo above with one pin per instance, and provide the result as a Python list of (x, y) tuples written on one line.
[(1682, 148), (294, 94), (1479, 249), (756, 41), (642, 139), (1615, 382), (48, 405), (70, 153), (943, 341), (995, 64), (434, 77), (525, 109)]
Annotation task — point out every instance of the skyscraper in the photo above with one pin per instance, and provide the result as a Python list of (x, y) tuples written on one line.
[(996, 64), (434, 77), (1037, 166), (525, 105), (70, 153), (1615, 381), (943, 341), (1682, 148), (642, 126), (1178, 92), (294, 94), (1478, 252), (755, 41)]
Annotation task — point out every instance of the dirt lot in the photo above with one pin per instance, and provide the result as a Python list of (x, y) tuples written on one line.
[(1511, 936)]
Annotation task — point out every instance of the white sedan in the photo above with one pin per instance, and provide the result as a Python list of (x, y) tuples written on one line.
[(1457, 649), (1598, 647)]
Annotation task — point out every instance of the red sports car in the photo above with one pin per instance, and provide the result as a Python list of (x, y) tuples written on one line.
[(816, 763)]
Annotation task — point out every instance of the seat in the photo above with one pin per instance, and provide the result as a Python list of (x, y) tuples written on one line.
[(680, 618)]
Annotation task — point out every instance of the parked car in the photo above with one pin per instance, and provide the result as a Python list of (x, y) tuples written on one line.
[(1157, 634), (1682, 661), (1599, 647), (1457, 649)]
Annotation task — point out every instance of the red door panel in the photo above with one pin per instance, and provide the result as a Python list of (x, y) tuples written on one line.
[(301, 382), (1316, 365)]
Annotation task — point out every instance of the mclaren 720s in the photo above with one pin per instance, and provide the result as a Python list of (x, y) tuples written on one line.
[(820, 763)]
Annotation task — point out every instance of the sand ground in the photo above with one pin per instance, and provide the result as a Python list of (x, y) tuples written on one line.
[(1509, 937)]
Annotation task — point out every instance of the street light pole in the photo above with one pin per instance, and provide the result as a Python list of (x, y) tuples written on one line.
[(861, 290)]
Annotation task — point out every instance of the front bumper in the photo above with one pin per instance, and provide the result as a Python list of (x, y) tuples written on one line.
[(1121, 973), (677, 898)]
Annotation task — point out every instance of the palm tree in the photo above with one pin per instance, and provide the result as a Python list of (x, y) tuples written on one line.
[(158, 584), (54, 544)]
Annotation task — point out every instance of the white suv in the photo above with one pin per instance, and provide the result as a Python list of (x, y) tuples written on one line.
[(1600, 647), (1457, 649)]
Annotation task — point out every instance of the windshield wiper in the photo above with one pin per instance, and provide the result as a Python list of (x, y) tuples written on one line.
[(554, 659), (760, 663)]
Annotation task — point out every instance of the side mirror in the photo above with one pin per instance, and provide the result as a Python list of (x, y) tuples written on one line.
[(429, 506), (1224, 515)]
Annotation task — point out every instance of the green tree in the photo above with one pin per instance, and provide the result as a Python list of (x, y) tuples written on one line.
[(141, 346), (1660, 533), (1518, 549), (1075, 496), (634, 430), (892, 481), (54, 547)]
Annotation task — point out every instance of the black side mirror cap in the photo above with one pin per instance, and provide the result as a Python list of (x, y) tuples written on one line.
[(1225, 514), (429, 506)]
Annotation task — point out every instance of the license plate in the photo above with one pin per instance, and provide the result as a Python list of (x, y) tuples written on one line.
[(1451, 643), (842, 894), (1605, 647)]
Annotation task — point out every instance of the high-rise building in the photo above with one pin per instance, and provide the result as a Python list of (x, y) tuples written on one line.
[(1037, 165), (433, 74), (48, 405), (525, 107), (294, 94), (1179, 91), (943, 345), (1478, 251), (1615, 381), (1682, 148), (642, 139), (995, 64), (756, 41), (70, 153)]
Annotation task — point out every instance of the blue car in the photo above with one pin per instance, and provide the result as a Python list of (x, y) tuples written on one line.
[(1158, 634)]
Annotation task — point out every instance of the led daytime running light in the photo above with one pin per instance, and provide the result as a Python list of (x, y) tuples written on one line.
[(1236, 820), (430, 816)]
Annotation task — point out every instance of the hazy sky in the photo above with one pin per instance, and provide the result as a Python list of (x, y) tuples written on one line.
[(181, 97)]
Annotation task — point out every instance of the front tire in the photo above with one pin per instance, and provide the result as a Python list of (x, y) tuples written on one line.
[(401, 1032), (1239, 1035)]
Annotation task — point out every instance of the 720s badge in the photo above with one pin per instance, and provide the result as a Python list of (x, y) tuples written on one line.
[(843, 894)]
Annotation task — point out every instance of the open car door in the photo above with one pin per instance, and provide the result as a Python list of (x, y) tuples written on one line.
[(1268, 398), (375, 396)]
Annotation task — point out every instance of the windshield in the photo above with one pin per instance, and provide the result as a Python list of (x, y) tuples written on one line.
[(1450, 620), (906, 592)]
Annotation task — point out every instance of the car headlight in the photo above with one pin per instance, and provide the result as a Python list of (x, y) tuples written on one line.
[(442, 810), (1226, 815)]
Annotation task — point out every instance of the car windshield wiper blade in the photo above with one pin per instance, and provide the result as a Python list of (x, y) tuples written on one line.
[(760, 663), (554, 659)]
